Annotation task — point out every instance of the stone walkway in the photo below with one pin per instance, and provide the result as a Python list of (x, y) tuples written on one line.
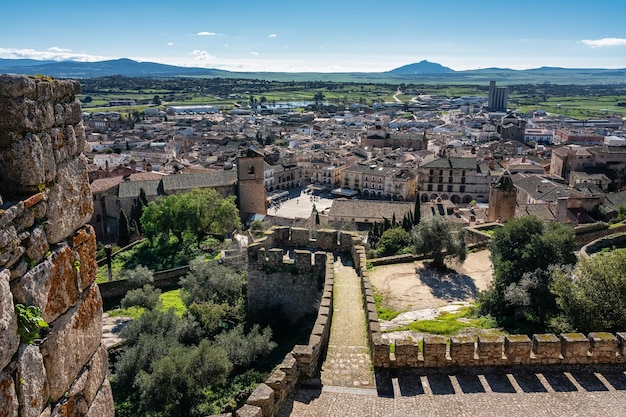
[(495, 393), (348, 364)]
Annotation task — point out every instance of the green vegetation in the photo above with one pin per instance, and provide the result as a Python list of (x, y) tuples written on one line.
[(524, 253), (392, 237), (449, 324), (194, 362), (384, 312), (438, 239), (29, 323), (592, 296)]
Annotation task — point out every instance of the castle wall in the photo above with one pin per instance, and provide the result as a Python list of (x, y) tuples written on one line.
[(47, 255)]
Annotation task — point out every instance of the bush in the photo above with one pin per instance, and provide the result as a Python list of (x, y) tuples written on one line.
[(147, 297)]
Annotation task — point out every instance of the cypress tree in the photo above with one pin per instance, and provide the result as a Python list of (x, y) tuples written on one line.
[(417, 215)]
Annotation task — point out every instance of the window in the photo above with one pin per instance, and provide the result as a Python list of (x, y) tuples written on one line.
[(430, 179), (432, 171), (450, 180), (462, 173), (463, 180), (449, 188), (441, 173), (440, 187), (462, 188), (440, 179), (430, 187), (366, 178)]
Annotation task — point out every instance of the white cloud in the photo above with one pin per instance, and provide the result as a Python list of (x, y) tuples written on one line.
[(53, 54), (170, 43), (226, 45), (254, 53), (57, 49), (272, 35), (598, 43), (202, 55), (206, 33)]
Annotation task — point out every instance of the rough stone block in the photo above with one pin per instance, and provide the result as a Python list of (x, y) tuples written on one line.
[(603, 347), (250, 411), (102, 403), (70, 204), (517, 349), (263, 397), (574, 347), (434, 351), (546, 347), (32, 391), (300, 237), (380, 354), (84, 243), (9, 339), (326, 239), (52, 285), (303, 260), (489, 349), (37, 245), (462, 350), (281, 236), (97, 371), (73, 342), (407, 353), (8, 397)]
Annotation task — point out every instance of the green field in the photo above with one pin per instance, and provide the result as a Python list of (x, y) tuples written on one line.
[(168, 300), (572, 100)]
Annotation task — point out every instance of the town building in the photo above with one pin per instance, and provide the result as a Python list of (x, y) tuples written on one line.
[(452, 178)]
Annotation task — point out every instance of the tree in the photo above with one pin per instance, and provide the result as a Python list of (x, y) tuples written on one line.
[(436, 237), (123, 230), (522, 252), (592, 297), (156, 100), (195, 214), (210, 281), (392, 242), (417, 213)]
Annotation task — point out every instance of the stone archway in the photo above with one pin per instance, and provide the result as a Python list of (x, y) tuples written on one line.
[(424, 198), (455, 199), (467, 199)]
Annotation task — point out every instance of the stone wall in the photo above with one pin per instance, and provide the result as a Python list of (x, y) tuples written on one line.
[(47, 255), (618, 240), (541, 349), (586, 234), (286, 269)]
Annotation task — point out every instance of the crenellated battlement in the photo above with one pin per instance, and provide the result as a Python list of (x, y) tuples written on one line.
[(487, 350), (288, 266)]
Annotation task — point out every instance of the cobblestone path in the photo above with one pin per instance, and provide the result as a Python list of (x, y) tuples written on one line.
[(348, 363)]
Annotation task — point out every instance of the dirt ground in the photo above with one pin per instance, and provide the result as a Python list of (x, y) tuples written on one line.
[(414, 286)]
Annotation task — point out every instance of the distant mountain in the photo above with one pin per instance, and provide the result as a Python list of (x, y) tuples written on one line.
[(124, 66), (420, 72), (422, 67), (22, 62)]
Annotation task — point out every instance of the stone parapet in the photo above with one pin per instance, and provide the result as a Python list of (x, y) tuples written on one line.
[(47, 255)]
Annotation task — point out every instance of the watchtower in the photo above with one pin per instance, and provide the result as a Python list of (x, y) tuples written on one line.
[(251, 186), (502, 199)]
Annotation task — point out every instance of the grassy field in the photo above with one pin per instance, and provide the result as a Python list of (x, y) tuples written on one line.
[(450, 324), (168, 300)]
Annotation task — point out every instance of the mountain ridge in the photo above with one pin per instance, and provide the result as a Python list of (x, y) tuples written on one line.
[(422, 71)]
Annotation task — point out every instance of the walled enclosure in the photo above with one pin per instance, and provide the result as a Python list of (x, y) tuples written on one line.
[(303, 360), (460, 351), (47, 255)]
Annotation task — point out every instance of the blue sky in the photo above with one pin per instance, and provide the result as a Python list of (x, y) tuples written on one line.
[(321, 35)]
